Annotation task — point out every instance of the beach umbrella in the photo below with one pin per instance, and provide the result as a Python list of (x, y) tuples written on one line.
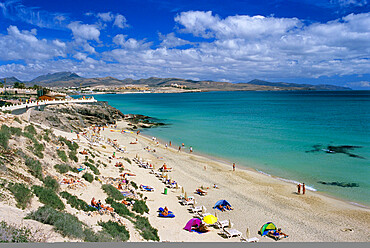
[(203, 210), (216, 215), (186, 195), (177, 186), (247, 234), (210, 219), (182, 190), (230, 224), (167, 176)]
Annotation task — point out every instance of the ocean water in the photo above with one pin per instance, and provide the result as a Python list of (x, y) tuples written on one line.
[(270, 132)]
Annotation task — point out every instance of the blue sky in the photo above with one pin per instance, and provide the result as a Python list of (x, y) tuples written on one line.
[(235, 41)]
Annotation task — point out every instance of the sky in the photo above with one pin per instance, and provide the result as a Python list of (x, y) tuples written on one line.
[(297, 41)]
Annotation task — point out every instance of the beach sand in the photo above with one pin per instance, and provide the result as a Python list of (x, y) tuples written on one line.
[(256, 198)]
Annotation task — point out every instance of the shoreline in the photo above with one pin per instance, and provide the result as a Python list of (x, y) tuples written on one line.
[(256, 198), (227, 164)]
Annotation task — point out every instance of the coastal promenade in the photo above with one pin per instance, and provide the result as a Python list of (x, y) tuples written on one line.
[(45, 102)]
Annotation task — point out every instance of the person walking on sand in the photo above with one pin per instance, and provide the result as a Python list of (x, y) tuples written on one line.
[(299, 188), (303, 189), (233, 166), (138, 131), (170, 143), (179, 148)]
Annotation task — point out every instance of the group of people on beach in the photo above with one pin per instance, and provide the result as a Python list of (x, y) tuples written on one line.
[(303, 187)]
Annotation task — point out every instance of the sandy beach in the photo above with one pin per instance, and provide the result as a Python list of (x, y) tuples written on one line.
[(256, 198)]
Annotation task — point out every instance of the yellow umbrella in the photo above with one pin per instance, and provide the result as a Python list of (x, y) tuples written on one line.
[(230, 224), (216, 215), (186, 195), (182, 190), (248, 233), (210, 219)]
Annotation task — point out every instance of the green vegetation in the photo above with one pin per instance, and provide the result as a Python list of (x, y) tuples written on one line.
[(51, 183), (134, 184), (91, 161), (96, 178), (12, 234), (146, 230), (62, 155), (88, 177), (73, 146), (4, 136), (48, 197), (140, 207), (112, 192), (21, 193), (34, 167), (128, 160), (117, 231), (18, 120), (67, 224), (38, 149), (93, 168), (72, 156), (30, 129), (119, 208), (64, 168), (16, 131), (76, 203)]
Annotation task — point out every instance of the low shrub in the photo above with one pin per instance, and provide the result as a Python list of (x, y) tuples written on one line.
[(140, 207), (13, 234), (76, 203), (96, 178), (73, 156), (112, 192), (92, 167), (65, 223), (73, 146), (64, 168), (16, 131), (117, 231), (30, 129), (88, 177), (146, 230), (18, 120), (48, 197), (38, 149), (68, 225), (4, 136), (119, 208), (22, 194), (134, 184), (91, 161), (128, 160), (62, 155), (51, 183), (34, 167)]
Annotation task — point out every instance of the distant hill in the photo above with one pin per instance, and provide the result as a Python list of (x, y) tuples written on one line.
[(70, 79), (308, 86), (10, 80)]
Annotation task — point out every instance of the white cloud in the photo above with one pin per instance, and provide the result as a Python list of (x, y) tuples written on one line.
[(170, 40), (119, 39), (84, 31), (345, 3), (24, 45), (362, 85), (120, 21), (130, 44), (106, 17)]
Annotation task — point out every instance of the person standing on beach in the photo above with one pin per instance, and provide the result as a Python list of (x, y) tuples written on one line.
[(303, 189), (191, 149), (233, 166), (170, 143), (299, 188), (138, 131), (179, 148)]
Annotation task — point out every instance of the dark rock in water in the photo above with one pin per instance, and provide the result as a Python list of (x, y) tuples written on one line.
[(336, 149), (341, 184), (143, 121)]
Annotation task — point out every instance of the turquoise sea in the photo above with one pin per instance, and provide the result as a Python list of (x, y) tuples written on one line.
[(270, 132)]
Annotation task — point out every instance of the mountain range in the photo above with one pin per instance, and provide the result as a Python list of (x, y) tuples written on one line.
[(70, 79)]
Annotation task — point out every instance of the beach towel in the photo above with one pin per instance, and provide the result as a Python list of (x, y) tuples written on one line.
[(169, 215), (161, 210)]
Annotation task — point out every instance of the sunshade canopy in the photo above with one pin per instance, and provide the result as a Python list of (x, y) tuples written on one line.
[(269, 226), (222, 203), (210, 219), (192, 223)]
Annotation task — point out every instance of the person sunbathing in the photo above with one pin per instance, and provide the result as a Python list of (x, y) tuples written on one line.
[(165, 211), (93, 202), (201, 192), (228, 207), (202, 228), (125, 202), (120, 186), (221, 208), (281, 233)]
